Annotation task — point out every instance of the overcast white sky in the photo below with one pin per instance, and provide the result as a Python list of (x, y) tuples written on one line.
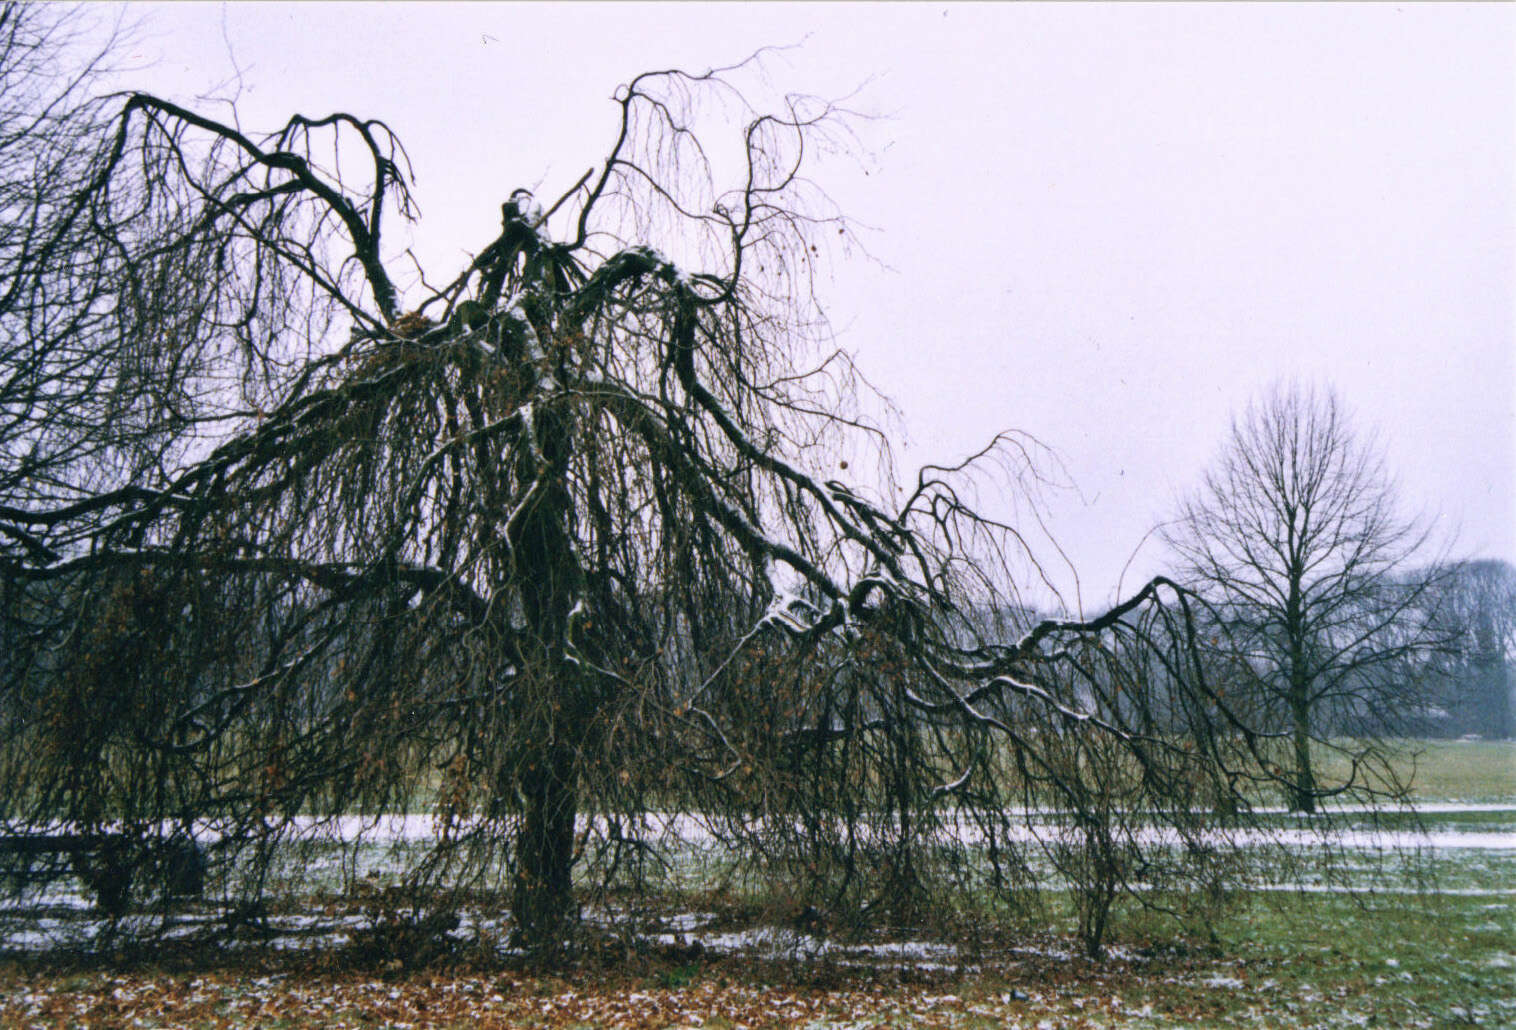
[(1107, 226)]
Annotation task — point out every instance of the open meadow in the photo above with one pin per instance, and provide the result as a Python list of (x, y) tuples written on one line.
[(1419, 937)]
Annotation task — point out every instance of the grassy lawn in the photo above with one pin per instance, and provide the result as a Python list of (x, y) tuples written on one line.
[(1455, 770)]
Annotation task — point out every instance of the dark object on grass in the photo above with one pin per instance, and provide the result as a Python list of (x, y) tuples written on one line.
[(184, 867), (106, 862), (811, 919), (683, 949)]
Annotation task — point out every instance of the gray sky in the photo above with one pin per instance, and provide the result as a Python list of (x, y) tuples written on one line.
[(1107, 226)]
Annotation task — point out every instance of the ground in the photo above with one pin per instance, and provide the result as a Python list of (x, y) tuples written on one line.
[(1319, 957)]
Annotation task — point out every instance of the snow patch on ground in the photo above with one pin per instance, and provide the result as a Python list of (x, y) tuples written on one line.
[(782, 943)]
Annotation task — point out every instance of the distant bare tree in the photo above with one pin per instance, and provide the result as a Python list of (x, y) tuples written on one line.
[(1295, 540), (1478, 610)]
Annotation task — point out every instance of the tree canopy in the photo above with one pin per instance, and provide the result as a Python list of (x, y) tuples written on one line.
[(550, 548), (1320, 588)]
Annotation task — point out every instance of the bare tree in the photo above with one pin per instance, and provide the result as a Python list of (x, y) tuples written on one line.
[(550, 546), (1295, 540)]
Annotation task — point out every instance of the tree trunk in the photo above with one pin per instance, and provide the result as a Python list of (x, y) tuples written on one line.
[(1303, 789), (543, 891)]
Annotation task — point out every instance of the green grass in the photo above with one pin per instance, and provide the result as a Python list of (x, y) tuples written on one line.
[(1327, 961), (1450, 770)]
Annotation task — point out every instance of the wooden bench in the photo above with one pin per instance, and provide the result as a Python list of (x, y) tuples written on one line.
[(106, 862)]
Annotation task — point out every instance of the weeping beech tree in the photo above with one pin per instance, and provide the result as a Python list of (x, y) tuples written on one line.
[(548, 548)]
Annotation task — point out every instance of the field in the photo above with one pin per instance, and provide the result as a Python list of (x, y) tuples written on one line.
[(1473, 771), (1368, 952)]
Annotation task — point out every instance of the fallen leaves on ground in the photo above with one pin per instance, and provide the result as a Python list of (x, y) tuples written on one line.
[(718, 995)]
